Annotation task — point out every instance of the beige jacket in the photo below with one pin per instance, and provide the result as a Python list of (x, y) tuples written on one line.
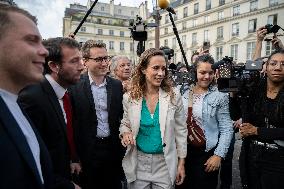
[(173, 132)]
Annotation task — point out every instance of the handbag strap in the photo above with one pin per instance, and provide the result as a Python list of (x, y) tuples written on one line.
[(190, 97)]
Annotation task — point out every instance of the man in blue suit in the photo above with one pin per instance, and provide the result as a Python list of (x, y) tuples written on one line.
[(25, 162)]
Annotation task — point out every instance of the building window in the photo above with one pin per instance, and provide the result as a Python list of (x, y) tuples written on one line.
[(194, 22), (83, 29), (272, 19), (252, 26), (234, 51), (236, 10), (111, 32), (220, 15), (185, 12), (176, 16), (196, 8), (268, 48), (100, 31), (121, 33), (174, 43), (208, 4), (206, 35), (111, 45), (167, 18), (235, 29), (273, 3), (166, 43), (110, 22), (166, 31), (220, 31), (219, 53), (183, 40), (221, 2), (206, 19), (253, 5), (131, 45), (121, 45), (102, 8), (194, 39), (250, 50), (119, 11), (184, 25)]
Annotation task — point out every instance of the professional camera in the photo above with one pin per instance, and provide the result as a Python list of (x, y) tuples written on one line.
[(272, 28), (169, 53), (139, 33), (237, 78)]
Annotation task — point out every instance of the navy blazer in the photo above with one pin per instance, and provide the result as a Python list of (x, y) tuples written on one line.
[(18, 167)]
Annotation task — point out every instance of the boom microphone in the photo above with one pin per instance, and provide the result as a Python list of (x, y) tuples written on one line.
[(164, 4)]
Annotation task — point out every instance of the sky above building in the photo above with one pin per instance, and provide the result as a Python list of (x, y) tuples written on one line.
[(50, 13)]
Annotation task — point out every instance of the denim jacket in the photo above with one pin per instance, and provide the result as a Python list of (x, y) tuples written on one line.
[(216, 122)]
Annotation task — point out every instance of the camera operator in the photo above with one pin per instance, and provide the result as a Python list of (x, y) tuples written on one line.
[(263, 131), (261, 33)]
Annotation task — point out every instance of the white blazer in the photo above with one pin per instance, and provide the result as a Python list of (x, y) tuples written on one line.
[(172, 126)]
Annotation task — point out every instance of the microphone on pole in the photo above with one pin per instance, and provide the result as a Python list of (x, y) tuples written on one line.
[(164, 4)]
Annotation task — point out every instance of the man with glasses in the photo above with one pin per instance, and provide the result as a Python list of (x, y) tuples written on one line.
[(97, 99), (47, 104), (263, 131)]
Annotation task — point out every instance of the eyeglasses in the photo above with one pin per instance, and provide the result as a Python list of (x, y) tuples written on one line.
[(274, 63), (101, 59)]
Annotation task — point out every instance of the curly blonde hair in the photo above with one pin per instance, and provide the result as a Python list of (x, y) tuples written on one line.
[(138, 81)]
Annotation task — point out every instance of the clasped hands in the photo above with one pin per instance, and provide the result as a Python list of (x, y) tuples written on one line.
[(127, 138), (247, 129)]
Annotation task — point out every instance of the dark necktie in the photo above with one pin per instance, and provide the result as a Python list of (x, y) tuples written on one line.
[(68, 111)]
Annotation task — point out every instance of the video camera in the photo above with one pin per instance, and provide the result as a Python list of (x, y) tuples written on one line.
[(139, 33), (237, 78)]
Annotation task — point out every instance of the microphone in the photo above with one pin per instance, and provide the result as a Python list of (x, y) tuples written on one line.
[(164, 4)]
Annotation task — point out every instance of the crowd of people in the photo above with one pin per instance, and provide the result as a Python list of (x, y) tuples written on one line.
[(73, 117)]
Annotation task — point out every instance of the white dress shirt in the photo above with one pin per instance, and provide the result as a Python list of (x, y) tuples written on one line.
[(11, 102), (59, 91)]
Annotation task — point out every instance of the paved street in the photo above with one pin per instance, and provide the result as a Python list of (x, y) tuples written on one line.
[(236, 173)]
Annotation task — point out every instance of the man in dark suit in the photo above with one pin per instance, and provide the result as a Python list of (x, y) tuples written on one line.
[(97, 99), (25, 162), (46, 105)]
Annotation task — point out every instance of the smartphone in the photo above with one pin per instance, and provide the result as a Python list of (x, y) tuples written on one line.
[(206, 46)]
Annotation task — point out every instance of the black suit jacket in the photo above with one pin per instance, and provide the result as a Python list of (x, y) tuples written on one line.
[(42, 106), (18, 167), (85, 119)]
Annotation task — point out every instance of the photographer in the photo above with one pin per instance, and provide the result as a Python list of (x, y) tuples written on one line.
[(263, 130), (261, 33)]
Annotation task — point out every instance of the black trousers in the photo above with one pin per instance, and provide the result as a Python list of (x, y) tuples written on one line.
[(196, 177), (103, 170), (265, 167)]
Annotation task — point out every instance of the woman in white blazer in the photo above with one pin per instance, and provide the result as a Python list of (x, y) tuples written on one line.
[(153, 127)]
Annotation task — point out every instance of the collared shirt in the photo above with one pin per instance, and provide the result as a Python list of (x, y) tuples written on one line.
[(11, 102), (59, 91), (100, 99)]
